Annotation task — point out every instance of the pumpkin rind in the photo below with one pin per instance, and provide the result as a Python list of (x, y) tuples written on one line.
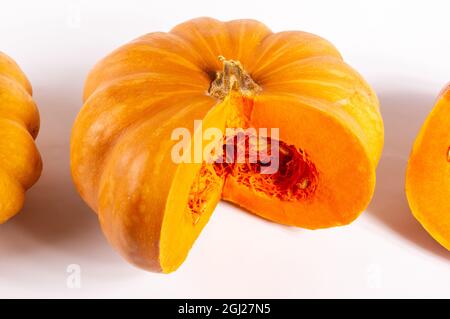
[(428, 172), (137, 95), (20, 162)]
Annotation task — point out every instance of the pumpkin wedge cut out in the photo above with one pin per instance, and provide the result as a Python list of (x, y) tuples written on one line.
[(20, 162), (428, 172), (228, 75)]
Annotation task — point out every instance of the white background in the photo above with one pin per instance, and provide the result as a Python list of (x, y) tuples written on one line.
[(401, 47)]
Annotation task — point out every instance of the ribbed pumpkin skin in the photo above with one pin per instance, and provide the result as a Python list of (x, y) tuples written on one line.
[(20, 162), (137, 95)]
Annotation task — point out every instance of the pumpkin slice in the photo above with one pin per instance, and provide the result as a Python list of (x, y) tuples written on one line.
[(227, 75), (428, 172), (20, 162)]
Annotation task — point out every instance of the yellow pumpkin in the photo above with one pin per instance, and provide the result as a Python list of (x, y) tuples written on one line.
[(20, 162), (427, 175), (235, 74)]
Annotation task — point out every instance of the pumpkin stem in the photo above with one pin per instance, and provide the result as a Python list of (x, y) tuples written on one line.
[(233, 77)]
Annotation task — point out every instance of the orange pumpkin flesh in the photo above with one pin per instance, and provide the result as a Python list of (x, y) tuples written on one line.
[(20, 162), (151, 209), (427, 175)]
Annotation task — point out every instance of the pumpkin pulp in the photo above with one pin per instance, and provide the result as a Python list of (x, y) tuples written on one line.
[(296, 177), (427, 174)]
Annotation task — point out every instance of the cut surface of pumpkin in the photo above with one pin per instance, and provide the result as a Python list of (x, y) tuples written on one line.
[(20, 162), (229, 75), (428, 172)]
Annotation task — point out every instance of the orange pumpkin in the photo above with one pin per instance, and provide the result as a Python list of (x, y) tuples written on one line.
[(20, 162), (227, 74), (427, 175)]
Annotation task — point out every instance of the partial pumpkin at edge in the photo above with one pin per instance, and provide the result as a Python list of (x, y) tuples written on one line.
[(20, 161), (428, 172)]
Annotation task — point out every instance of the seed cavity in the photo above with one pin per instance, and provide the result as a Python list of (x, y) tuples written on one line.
[(296, 177)]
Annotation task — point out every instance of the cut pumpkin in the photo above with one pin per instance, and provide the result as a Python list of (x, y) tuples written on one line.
[(428, 172), (235, 74), (20, 162)]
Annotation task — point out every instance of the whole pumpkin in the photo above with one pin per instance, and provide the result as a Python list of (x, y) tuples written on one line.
[(227, 74), (428, 171), (20, 162)]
